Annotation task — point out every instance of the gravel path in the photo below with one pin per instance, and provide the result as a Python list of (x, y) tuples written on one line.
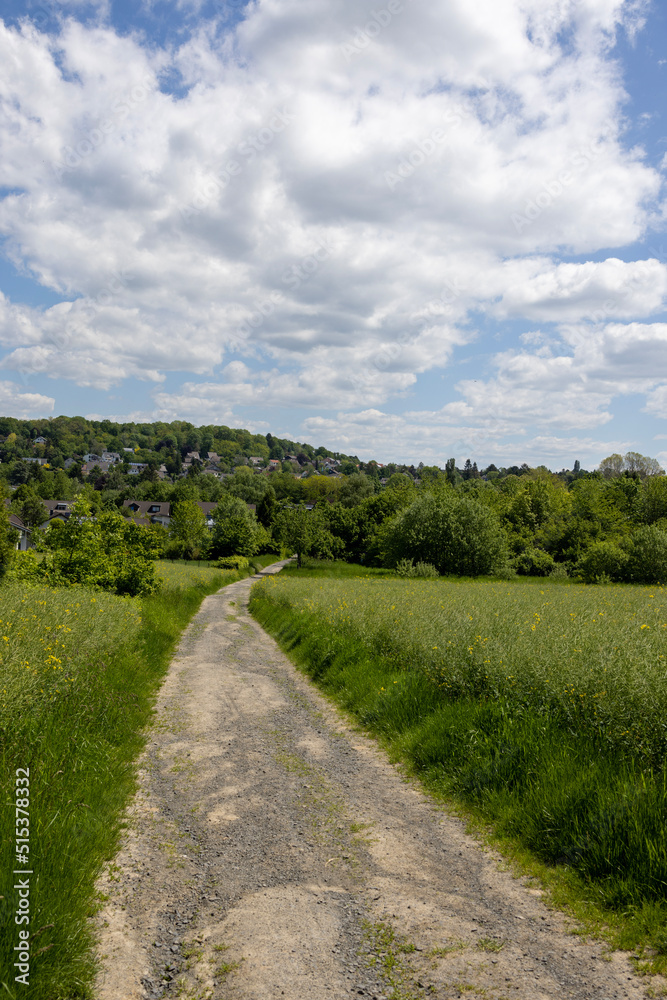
[(273, 852)]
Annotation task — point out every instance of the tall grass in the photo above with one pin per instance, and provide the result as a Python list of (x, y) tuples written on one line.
[(78, 676), (544, 706)]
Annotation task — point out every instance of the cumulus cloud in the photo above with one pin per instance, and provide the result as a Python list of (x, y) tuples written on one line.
[(309, 206), (16, 402)]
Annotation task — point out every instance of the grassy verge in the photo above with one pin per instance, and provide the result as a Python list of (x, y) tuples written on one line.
[(79, 674), (540, 708)]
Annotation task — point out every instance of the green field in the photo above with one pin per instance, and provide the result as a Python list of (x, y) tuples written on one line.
[(541, 705), (79, 671)]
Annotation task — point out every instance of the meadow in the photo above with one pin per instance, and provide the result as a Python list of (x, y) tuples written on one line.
[(79, 671), (541, 705)]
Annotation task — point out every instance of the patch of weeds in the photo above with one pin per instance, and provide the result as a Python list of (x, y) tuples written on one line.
[(490, 944), (448, 949), (192, 954), (386, 949), (226, 968), (113, 873)]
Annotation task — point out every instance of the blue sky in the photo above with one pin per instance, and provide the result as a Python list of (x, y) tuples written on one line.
[(419, 230)]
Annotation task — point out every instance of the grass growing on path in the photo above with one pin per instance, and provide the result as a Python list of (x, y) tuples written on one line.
[(542, 706), (79, 671)]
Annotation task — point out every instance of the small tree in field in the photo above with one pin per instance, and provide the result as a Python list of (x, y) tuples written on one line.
[(236, 530), (107, 551), (188, 530)]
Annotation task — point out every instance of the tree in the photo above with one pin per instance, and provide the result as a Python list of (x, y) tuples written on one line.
[(236, 530), (452, 474), (188, 530), (32, 511), (453, 532), (615, 465), (294, 529), (354, 489), (8, 538), (106, 551)]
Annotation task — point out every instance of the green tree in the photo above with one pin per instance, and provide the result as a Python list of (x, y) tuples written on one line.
[(354, 489), (294, 528), (236, 530), (32, 512), (106, 551), (453, 532), (187, 530), (8, 539)]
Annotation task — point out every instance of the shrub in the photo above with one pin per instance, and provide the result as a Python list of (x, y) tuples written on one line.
[(602, 562), (534, 562), (404, 568), (233, 562), (426, 570), (456, 534), (647, 557)]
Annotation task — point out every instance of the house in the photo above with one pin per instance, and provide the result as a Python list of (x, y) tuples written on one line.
[(136, 468), (56, 510), (255, 460), (39, 440), (153, 511), (38, 461), (88, 467), (23, 542), (274, 463), (112, 457), (157, 512), (92, 458), (214, 458), (192, 456)]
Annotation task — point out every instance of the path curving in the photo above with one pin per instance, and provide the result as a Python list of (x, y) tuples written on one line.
[(273, 852)]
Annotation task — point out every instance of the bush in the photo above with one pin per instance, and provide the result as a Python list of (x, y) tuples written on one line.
[(534, 562), (456, 534), (604, 561), (404, 567), (233, 562), (647, 557), (426, 570)]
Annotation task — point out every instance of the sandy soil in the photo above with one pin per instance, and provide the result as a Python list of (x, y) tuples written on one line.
[(273, 852)]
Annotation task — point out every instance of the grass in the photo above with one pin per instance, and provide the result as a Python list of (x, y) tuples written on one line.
[(181, 573), (542, 708), (79, 674)]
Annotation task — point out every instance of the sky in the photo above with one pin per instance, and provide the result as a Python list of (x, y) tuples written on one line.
[(411, 231)]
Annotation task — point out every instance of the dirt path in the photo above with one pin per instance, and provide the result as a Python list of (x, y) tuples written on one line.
[(272, 852)]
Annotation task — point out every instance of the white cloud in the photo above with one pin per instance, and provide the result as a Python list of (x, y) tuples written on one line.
[(15, 402), (432, 439), (317, 213)]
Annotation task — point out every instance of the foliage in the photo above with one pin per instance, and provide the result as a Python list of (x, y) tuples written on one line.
[(534, 562), (603, 562), (633, 463), (236, 530), (189, 536), (233, 562), (638, 558), (7, 541), (108, 551), (454, 533), (405, 568)]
